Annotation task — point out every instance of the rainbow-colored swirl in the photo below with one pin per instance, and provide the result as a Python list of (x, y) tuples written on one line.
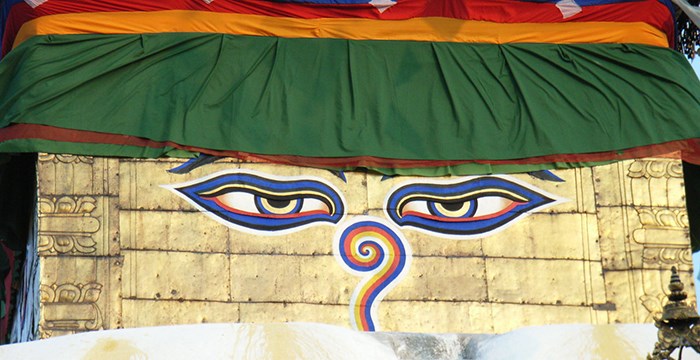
[(381, 256)]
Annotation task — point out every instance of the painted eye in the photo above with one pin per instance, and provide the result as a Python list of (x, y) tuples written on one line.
[(279, 206), (466, 209), (250, 202), (453, 209)]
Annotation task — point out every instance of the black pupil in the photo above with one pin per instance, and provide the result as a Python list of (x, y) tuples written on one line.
[(279, 204), (453, 206)]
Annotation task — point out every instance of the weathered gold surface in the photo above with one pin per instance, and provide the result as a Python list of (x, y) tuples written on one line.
[(475, 316), (435, 279), (266, 312), (79, 294), (139, 313), (117, 249), (78, 175), (175, 275)]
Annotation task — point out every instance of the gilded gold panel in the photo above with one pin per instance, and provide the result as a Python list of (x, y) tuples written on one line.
[(267, 312), (171, 231), (419, 316), (508, 317), (135, 250), (79, 294), (173, 275), (140, 313), (77, 175)]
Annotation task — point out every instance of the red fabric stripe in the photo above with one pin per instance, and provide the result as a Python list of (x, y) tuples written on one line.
[(504, 11), (690, 148)]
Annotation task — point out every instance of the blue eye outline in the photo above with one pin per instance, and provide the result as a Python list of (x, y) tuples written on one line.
[(524, 198), (204, 194)]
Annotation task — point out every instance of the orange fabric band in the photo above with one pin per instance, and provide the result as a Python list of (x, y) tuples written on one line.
[(416, 29)]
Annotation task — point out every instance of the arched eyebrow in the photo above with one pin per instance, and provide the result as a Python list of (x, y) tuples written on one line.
[(193, 163), (340, 174), (545, 175)]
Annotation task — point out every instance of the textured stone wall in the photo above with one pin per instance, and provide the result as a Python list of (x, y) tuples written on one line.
[(119, 250)]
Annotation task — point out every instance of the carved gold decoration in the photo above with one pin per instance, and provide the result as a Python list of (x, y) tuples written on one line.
[(654, 305), (667, 256), (66, 159), (70, 307), (663, 218), (648, 168), (664, 236), (660, 237), (66, 225), (70, 293), (67, 205), (679, 324), (664, 230)]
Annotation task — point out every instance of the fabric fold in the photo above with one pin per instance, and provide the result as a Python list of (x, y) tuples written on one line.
[(416, 89)]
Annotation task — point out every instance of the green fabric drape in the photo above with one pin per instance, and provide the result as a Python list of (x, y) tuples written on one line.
[(340, 98)]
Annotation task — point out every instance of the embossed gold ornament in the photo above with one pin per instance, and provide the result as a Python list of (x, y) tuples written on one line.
[(679, 325)]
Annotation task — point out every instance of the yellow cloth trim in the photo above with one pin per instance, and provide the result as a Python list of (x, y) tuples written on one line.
[(416, 29)]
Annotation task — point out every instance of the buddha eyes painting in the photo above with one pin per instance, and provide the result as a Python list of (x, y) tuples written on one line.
[(251, 202), (371, 247)]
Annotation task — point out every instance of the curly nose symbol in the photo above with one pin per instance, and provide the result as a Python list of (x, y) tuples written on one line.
[(372, 249)]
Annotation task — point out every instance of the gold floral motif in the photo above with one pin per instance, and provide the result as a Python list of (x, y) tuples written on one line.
[(666, 218), (654, 305), (67, 225), (70, 307), (664, 236), (67, 205), (63, 244), (668, 256), (66, 159), (70, 293), (645, 168)]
